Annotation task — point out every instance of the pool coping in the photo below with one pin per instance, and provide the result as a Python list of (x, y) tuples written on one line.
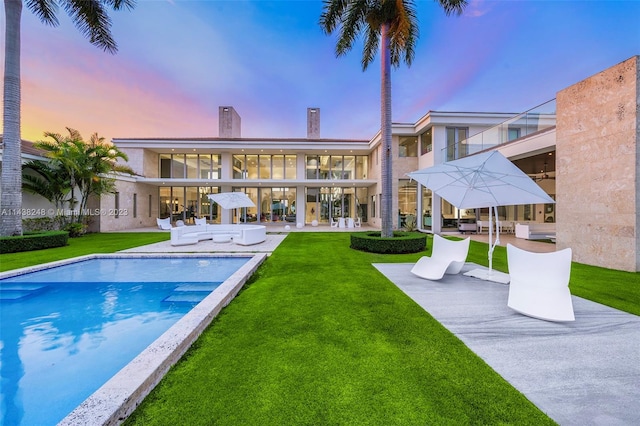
[(115, 400)]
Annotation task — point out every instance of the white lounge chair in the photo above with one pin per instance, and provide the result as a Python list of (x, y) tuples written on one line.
[(164, 224), (358, 222), (539, 285), (180, 222), (447, 257), (334, 223), (200, 221)]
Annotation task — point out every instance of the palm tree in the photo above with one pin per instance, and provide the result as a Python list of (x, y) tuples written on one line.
[(393, 24), (86, 165), (92, 20), (47, 180)]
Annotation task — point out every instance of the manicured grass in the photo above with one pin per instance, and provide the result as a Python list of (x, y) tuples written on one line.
[(87, 244), (320, 337)]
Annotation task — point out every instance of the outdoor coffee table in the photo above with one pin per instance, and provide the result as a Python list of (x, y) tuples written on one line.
[(221, 238)]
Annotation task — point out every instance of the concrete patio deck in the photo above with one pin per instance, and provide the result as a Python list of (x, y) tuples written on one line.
[(585, 372), (277, 233)]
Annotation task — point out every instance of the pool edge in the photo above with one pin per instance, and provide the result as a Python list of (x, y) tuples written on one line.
[(114, 401)]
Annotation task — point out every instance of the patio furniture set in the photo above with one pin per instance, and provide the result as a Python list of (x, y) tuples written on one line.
[(192, 234), (539, 282), (346, 222)]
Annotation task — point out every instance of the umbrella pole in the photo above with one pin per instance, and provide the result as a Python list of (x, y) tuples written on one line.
[(493, 211), (490, 239)]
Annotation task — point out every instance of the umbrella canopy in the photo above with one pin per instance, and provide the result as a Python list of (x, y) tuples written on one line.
[(232, 200), (483, 180)]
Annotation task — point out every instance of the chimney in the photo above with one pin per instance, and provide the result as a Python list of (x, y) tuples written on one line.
[(313, 123), (228, 122)]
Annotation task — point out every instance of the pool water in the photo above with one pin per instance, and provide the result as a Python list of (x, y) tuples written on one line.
[(65, 331)]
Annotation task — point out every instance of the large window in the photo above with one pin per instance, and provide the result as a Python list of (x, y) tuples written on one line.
[(407, 200), (345, 167), (426, 141), (264, 166), (408, 146), (191, 166), (187, 203), (455, 149)]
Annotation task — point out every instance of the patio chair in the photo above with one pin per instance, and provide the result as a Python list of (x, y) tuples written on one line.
[(358, 222), (180, 222), (539, 285), (200, 220), (447, 257), (334, 223), (164, 224)]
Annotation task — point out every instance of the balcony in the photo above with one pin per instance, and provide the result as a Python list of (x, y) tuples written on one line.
[(534, 120)]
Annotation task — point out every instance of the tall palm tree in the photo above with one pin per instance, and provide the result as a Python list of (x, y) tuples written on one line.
[(92, 20), (393, 25)]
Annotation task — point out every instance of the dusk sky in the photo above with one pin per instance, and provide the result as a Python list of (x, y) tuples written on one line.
[(178, 61)]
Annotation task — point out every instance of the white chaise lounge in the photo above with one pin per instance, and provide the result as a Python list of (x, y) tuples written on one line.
[(447, 257), (539, 285)]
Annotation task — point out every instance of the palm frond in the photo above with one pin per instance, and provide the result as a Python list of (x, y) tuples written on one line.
[(93, 22), (45, 10), (453, 6), (331, 17), (371, 44)]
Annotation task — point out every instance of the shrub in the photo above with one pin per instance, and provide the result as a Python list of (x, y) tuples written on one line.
[(39, 224), (76, 229), (33, 241), (410, 223), (401, 242)]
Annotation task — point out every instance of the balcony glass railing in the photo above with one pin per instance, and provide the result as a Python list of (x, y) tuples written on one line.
[(532, 121)]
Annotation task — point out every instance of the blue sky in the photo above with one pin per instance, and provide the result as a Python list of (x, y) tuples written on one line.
[(178, 61)]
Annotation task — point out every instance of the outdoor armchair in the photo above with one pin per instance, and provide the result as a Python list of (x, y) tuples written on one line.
[(447, 257), (539, 285), (164, 224)]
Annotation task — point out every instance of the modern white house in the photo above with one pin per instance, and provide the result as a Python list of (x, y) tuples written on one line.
[(582, 148)]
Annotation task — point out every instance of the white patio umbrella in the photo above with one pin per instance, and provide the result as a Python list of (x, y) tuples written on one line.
[(231, 200), (483, 180)]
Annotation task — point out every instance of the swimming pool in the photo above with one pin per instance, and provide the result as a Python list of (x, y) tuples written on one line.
[(66, 330)]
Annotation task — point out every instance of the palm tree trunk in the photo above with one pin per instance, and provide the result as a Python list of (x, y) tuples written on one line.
[(385, 128), (11, 180)]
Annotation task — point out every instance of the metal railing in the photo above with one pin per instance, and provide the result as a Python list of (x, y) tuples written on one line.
[(534, 120)]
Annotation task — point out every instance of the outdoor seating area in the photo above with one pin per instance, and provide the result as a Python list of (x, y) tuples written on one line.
[(346, 222), (240, 234), (447, 257)]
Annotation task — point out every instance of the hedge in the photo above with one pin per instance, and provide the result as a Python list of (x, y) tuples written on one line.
[(401, 242), (33, 241)]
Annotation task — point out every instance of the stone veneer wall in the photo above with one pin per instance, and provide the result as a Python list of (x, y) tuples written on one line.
[(105, 219), (598, 168)]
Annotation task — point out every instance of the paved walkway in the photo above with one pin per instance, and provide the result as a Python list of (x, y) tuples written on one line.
[(276, 233), (585, 372)]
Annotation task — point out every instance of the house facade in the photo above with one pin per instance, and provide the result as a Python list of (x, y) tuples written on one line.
[(582, 148)]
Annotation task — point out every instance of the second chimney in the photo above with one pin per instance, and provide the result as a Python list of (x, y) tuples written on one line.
[(228, 122), (313, 123)]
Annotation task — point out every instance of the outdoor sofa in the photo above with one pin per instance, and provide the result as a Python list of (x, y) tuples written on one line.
[(536, 231), (241, 234)]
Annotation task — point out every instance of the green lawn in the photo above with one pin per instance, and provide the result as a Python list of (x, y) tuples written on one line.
[(87, 244), (318, 336)]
